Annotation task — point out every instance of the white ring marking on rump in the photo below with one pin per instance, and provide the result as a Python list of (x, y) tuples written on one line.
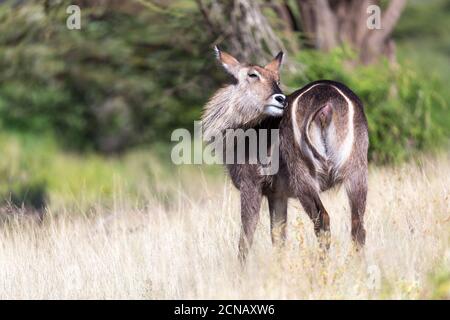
[(345, 149)]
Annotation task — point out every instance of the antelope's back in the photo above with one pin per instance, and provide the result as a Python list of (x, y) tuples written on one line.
[(329, 128)]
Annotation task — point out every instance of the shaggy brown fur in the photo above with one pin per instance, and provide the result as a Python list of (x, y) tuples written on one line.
[(323, 143)]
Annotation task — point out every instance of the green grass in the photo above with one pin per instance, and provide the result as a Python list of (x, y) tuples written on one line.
[(37, 173)]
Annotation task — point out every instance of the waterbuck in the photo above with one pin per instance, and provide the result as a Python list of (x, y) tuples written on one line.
[(323, 142)]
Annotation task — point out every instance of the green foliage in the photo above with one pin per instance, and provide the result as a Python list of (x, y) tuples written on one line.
[(438, 283), (37, 175), (423, 41), (34, 173), (22, 174), (129, 76), (398, 102), (133, 73)]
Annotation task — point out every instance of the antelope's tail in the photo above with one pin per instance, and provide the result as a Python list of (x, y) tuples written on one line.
[(323, 115)]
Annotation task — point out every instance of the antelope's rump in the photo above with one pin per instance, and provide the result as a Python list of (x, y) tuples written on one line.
[(330, 130)]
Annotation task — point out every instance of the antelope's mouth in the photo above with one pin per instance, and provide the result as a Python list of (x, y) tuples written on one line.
[(275, 106), (278, 106), (273, 109)]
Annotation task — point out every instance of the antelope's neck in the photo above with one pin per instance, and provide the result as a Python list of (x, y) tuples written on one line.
[(229, 108)]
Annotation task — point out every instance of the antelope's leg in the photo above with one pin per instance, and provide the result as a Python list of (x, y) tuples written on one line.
[(311, 203), (356, 187), (278, 219), (251, 197)]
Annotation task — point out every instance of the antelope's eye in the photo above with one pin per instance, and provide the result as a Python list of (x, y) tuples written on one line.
[(252, 75)]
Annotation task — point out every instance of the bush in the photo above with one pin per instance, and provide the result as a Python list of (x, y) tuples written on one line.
[(398, 102), (129, 76)]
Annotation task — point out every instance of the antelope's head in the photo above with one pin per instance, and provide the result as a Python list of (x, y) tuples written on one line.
[(254, 96), (257, 87)]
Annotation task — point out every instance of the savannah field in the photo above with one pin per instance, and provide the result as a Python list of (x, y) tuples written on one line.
[(93, 207), (187, 248)]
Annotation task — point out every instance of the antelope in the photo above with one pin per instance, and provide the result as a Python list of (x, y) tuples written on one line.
[(323, 137)]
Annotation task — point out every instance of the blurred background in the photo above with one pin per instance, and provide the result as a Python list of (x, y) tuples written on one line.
[(87, 114)]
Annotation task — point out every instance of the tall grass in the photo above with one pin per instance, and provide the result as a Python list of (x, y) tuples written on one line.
[(187, 247)]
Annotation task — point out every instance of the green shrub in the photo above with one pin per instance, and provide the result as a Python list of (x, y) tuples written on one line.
[(129, 76)]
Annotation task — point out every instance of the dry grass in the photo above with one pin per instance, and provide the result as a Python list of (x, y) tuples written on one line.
[(189, 248)]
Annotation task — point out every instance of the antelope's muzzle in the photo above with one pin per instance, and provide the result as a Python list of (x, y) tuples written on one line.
[(275, 106)]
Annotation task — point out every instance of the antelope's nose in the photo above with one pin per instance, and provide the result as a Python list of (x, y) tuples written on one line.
[(281, 98)]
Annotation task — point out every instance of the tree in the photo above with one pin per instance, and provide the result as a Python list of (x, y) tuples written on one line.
[(330, 23), (325, 25), (242, 25)]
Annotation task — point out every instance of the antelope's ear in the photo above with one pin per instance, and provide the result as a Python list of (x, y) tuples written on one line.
[(230, 63), (275, 64)]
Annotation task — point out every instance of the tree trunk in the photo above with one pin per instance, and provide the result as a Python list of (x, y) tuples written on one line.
[(330, 23), (326, 29), (242, 26), (326, 24), (377, 42)]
